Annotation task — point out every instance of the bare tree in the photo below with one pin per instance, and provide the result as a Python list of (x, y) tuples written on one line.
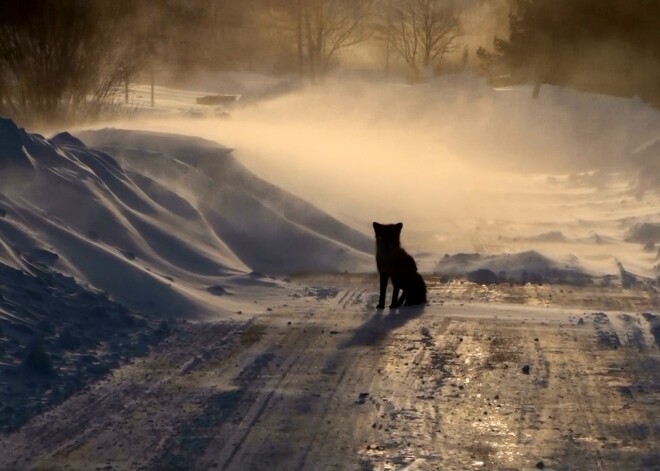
[(60, 59), (321, 28), (422, 31), (286, 17)]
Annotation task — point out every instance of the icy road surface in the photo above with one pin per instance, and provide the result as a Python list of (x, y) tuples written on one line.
[(520, 377)]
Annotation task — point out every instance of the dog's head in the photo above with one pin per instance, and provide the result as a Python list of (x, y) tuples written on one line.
[(388, 235)]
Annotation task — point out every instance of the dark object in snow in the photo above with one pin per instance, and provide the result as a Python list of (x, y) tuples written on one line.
[(540, 465), (38, 360), (483, 276), (3, 213), (362, 398), (217, 100), (525, 369)]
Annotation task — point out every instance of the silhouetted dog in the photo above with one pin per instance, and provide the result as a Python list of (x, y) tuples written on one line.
[(395, 263)]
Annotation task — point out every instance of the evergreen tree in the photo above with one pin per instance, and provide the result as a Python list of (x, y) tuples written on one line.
[(611, 47)]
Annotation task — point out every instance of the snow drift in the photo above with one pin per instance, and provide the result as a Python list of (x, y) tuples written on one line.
[(522, 267), (269, 229), (160, 224)]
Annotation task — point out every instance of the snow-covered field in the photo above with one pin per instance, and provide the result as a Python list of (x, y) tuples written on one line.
[(127, 238)]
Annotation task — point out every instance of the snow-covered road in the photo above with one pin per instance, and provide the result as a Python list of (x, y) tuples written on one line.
[(481, 378)]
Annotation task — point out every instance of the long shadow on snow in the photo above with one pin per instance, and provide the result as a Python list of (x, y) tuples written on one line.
[(379, 326)]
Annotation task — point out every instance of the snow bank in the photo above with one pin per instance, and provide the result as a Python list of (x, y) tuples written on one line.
[(56, 336), (268, 229), (523, 267), (171, 217)]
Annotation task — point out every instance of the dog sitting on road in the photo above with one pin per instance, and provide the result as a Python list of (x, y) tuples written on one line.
[(394, 263)]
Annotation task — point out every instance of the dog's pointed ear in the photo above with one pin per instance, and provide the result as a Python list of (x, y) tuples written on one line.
[(377, 227), (399, 226)]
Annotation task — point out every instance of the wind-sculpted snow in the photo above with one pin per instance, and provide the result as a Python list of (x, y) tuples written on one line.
[(157, 219), (80, 205), (269, 229)]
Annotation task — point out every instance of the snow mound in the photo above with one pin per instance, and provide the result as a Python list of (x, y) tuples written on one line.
[(80, 206), (523, 267), (160, 221), (269, 229)]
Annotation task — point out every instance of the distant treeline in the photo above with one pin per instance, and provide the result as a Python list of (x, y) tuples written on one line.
[(606, 46), (72, 59)]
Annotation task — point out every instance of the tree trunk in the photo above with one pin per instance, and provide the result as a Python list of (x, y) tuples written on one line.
[(389, 40), (153, 79), (299, 32)]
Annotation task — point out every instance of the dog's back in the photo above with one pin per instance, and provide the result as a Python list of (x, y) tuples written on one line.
[(411, 282)]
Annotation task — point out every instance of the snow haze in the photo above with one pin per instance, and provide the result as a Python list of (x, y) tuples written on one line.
[(466, 167)]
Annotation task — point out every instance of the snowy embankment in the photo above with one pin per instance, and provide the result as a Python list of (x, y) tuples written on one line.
[(97, 251), (160, 218)]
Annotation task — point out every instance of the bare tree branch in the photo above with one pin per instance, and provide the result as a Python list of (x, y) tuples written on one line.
[(423, 30)]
